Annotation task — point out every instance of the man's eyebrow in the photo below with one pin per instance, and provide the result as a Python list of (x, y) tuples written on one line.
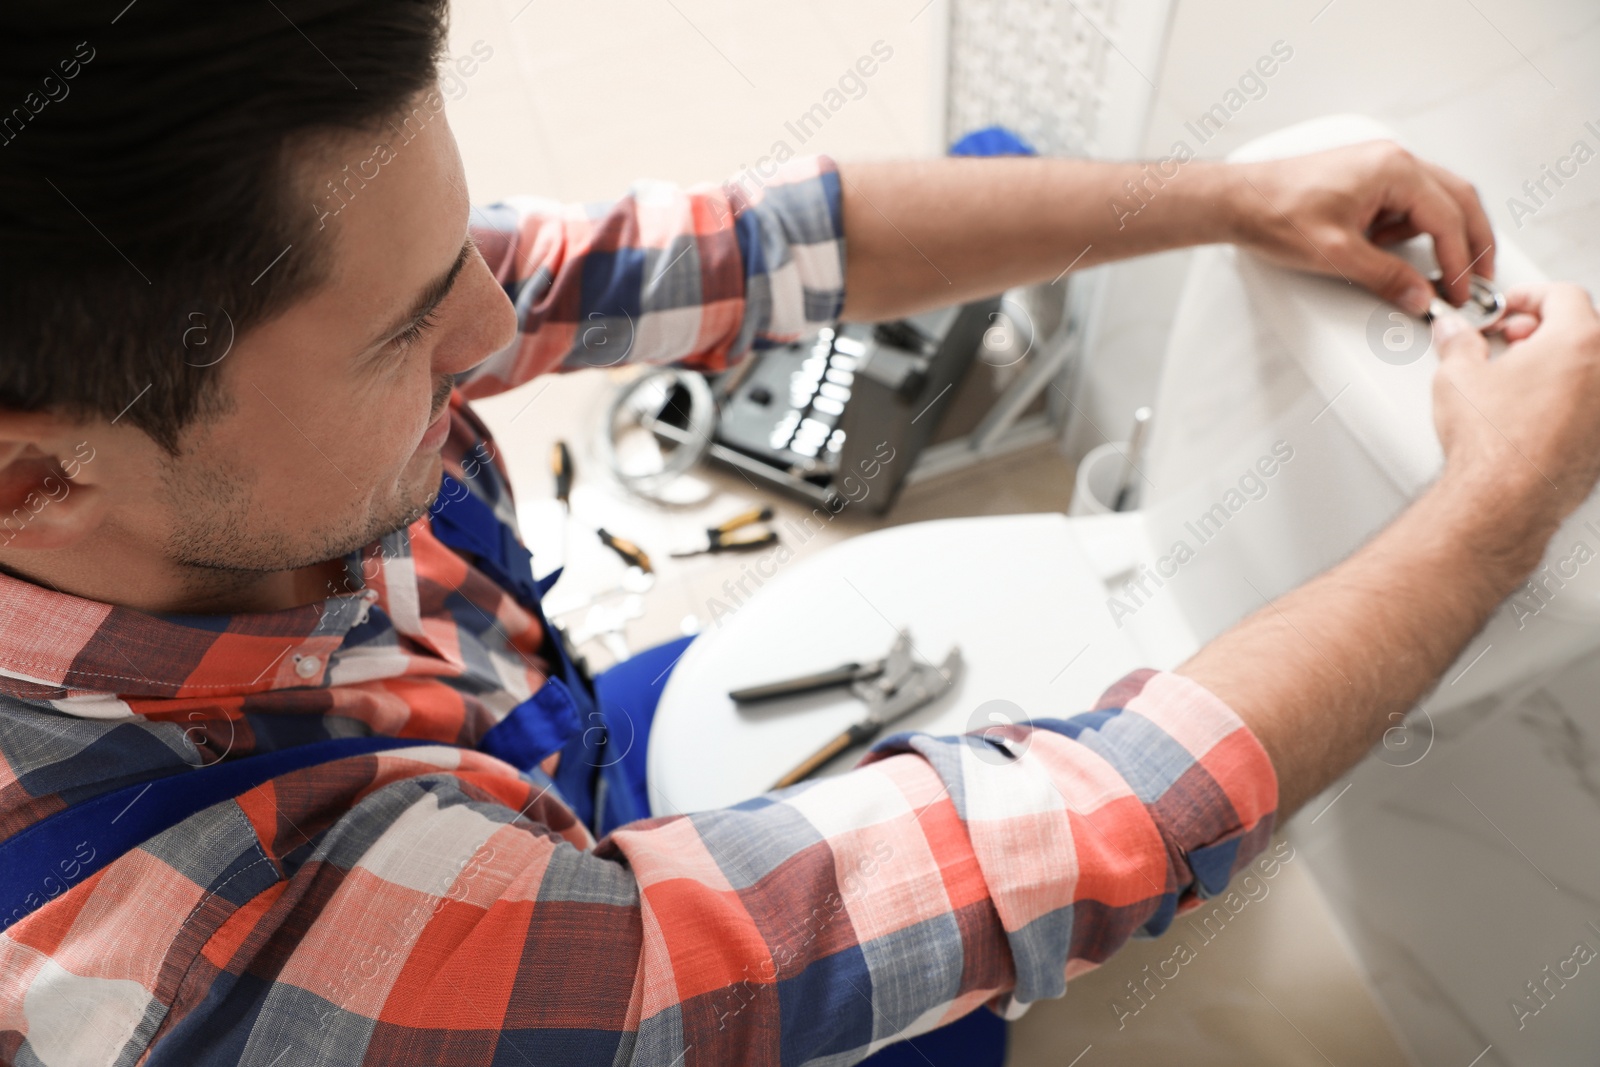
[(431, 297)]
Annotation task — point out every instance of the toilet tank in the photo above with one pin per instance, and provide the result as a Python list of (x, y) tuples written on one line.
[(1294, 419)]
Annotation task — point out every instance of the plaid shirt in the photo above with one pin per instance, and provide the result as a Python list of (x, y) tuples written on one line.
[(434, 905)]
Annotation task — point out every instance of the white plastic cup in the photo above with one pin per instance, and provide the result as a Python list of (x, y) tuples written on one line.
[(1096, 488)]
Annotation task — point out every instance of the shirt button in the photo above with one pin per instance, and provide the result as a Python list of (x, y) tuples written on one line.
[(307, 666), (369, 595)]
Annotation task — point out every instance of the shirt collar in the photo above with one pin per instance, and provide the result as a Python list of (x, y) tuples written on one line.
[(54, 645)]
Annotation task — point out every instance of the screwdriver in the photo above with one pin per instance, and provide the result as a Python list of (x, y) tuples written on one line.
[(631, 553), (561, 468)]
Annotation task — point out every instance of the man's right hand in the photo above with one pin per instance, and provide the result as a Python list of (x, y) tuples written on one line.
[(1524, 427), (1316, 674)]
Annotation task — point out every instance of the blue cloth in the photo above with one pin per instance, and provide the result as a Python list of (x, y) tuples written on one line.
[(992, 141), (628, 694), (975, 1040), (65, 848)]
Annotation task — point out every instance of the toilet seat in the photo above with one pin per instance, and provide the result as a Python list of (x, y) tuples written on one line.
[(1023, 595)]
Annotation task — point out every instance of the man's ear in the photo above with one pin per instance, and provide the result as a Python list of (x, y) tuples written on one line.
[(46, 501)]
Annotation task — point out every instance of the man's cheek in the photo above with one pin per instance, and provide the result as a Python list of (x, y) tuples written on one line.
[(371, 452)]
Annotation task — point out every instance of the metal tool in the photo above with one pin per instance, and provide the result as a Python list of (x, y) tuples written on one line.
[(562, 472), (1126, 484), (1485, 306), (892, 688), (738, 534), (561, 469), (631, 553), (889, 671)]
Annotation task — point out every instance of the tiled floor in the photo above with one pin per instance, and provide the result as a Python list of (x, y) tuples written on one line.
[(578, 100), (1272, 985)]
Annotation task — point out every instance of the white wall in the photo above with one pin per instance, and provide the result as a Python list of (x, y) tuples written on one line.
[(1493, 89), (581, 99)]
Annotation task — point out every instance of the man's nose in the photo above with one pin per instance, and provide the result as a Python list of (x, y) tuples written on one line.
[(485, 321)]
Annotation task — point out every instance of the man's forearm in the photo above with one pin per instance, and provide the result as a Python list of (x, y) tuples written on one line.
[(922, 234), (1319, 673)]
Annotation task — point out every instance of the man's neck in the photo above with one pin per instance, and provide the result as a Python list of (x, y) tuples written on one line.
[(185, 590)]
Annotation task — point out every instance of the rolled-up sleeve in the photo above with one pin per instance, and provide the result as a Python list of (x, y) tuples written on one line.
[(1090, 829), (664, 274)]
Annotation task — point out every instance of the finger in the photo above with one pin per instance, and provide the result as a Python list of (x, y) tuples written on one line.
[(1563, 301), (1455, 340), (1390, 277), (1517, 327), (1434, 212), (1526, 296), (1383, 220), (1480, 235), (1392, 233)]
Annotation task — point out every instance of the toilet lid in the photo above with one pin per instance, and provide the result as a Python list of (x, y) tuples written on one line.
[(1375, 367), (1020, 594), (1388, 406)]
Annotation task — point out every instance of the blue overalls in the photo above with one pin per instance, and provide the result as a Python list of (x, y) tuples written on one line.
[(600, 727), (564, 715), (602, 771)]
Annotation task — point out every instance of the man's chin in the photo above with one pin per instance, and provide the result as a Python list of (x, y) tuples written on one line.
[(231, 538), (421, 487), (423, 474), (417, 490)]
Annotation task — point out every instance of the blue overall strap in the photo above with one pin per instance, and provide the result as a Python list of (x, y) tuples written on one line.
[(59, 851), (462, 521), (562, 716)]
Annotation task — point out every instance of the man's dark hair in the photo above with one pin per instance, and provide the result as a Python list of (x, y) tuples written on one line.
[(148, 186)]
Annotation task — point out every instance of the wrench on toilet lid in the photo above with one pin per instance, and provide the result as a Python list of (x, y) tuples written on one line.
[(1485, 306)]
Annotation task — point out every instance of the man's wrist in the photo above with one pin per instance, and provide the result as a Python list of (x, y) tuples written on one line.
[(1500, 523), (1213, 205), (1201, 204)]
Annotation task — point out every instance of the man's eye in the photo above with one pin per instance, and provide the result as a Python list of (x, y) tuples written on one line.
[(409, 335)]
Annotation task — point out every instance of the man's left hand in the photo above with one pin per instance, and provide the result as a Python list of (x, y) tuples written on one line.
[(1332, 212)]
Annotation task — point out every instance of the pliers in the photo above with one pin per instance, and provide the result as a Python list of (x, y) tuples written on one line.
[(892, 688), (732, 536)]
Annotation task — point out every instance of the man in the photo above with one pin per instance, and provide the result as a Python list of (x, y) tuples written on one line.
[(255, 530)]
